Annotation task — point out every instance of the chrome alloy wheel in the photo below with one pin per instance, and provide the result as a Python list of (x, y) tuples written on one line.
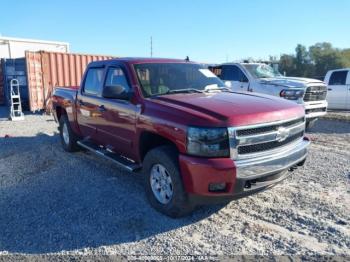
[(65, 134), (161, 184)]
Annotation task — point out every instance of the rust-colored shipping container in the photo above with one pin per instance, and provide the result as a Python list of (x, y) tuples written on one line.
[(2, 85), (45, 70)]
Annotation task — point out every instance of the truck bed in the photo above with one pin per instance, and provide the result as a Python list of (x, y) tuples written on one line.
[(64, 95)]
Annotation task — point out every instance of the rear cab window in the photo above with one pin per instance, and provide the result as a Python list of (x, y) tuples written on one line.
[(93, 81), (338, 78)]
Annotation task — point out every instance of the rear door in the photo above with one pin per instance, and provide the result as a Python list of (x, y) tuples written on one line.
[(338, 90), (88, 100), (236, 78)]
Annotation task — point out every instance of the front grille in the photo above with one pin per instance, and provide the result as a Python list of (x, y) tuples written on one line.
[(315, 110), (266, 129), (315, 93), (249, 149)]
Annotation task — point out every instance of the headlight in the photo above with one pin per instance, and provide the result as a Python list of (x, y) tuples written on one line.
[(208, 142), (292, 94)]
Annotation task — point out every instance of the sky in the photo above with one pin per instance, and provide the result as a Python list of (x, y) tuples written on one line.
[(207, 31)]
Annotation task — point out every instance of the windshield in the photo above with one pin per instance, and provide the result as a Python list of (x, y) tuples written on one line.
[(166, 78), (261, 70)]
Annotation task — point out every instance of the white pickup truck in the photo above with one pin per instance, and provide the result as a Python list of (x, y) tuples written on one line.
[(338, 82), (262, 78)]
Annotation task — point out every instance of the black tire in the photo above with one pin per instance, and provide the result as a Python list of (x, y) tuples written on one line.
[(310, 123), (167, 156), (71, 144)]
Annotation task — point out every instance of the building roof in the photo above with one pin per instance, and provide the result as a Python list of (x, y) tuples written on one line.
[(15, 39)]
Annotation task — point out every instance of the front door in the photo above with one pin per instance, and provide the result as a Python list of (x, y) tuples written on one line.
[(117, 129), (348, 92), (234, 78), (337, 94)]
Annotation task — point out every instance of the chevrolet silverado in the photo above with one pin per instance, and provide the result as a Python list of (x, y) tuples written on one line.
[(193, 140)]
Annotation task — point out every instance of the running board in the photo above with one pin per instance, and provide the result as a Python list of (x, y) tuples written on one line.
[(120, 161)]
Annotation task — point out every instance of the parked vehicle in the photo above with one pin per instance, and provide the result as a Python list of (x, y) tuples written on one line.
[(194, 140), (262, 78), (338, 82)]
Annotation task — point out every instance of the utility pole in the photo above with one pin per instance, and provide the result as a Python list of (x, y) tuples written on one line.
[(151, 47)]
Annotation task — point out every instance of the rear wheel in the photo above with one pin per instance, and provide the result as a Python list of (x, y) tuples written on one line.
[(68, 138), (163, 183)]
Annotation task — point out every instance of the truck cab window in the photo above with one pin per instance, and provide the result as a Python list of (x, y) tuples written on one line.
[(338, 78), (115, 77), (233, 73), (164, 78), (230, 73), (93, 81)]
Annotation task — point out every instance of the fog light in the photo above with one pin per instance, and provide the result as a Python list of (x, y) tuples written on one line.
[(217, 187)]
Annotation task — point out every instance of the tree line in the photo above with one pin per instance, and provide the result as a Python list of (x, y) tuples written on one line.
[(313, 62)]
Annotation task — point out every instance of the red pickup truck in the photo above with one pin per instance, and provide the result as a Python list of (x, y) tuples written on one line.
[(194, 140)]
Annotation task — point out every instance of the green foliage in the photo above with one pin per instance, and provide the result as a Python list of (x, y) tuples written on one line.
[(345, 53), (315, 61)]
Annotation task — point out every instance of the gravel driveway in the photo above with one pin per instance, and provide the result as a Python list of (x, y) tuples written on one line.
[(55, 202)]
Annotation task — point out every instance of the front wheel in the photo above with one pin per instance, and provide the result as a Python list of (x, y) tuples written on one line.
[(310, 123), (163, 183)]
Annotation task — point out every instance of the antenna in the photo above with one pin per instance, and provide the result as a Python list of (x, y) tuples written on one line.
[(151, 46)]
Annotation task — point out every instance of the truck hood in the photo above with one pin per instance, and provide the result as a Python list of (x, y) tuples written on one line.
[(230, 109), (290, 82)]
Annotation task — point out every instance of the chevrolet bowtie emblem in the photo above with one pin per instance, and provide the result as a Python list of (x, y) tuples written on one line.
[(282, 134)]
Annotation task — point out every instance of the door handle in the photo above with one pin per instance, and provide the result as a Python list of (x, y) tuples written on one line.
[(329, 89), (102, 108)]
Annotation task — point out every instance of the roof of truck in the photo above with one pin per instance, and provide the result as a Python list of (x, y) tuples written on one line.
[(340, 69), (140, 60), (235, 63)]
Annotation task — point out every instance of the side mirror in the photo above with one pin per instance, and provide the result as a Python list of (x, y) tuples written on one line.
[(243, 80), (116, 92), (228, 84)]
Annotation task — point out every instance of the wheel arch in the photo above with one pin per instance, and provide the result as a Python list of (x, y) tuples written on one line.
[(60, 111), (150, 140)]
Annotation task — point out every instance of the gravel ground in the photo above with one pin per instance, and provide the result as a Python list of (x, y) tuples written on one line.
[(338, 115), (55, 202)]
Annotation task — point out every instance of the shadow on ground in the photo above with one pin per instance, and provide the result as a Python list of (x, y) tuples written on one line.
[(5, 113), (330, 127), (51, 200)]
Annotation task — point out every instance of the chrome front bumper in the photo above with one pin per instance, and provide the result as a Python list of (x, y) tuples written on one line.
[(266, 165), (314, 106)]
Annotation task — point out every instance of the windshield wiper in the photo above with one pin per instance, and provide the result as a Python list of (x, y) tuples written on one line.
[(178, 91), (185, 90)]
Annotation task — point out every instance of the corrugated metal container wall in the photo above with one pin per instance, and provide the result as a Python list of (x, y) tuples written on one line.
[(35, 82), (46, 70), (15, 69)]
